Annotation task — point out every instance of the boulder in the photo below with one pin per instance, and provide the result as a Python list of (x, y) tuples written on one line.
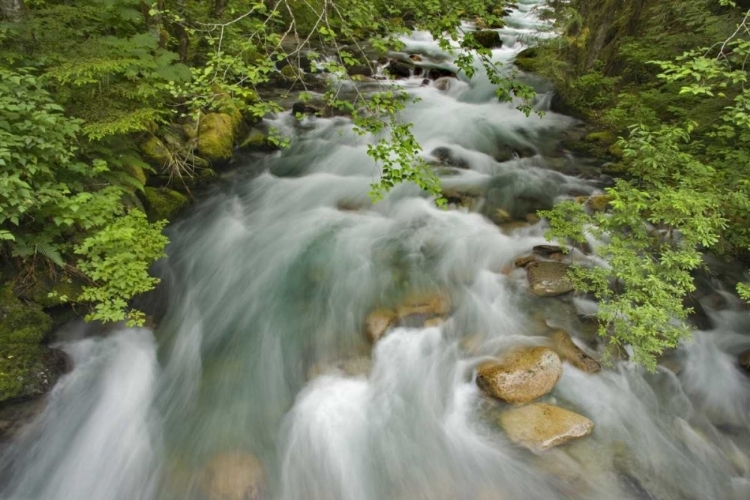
[(216, 134), (432, 305), (540, 426), (447, 157), (568, 351), (163, 203), (549, 279), (361, 70), (29, 370), (399, 69), (744, 360), (488, 39), (547, 250), (300, 108), (522, 375), (437, 73), (596, 203), (378, 322), (418, 307), (233, 476), (258, 141), (155, 152), (525, 261)]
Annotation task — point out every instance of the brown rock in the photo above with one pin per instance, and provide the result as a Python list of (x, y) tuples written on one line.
[(532, 218), (378, 322), (549, 279), (233, 476), (744, 360), (525, 261), (568, 351), (547, 250), (522, 375), (540, 426), (431, 304), (434, 322)]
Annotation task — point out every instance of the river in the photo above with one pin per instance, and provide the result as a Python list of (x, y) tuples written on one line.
[(259, 376)]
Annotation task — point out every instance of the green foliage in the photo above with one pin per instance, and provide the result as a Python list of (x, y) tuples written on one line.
[(685, 154), (119, 267)]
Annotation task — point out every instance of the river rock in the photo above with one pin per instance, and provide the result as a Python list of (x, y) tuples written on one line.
[(436, 304), (549, 279), (399, 69), (378, 322), (233, 476), (522, 375), (216, 135), (350, 367), (437, 73), (568, 351), (488, 39), (547, 250), (744, 360), (540, 426), (525, 261), (446, 156)]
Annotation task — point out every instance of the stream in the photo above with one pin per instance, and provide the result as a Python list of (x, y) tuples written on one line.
[(260, 383)]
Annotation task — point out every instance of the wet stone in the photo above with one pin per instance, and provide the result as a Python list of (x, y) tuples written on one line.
[(568, 351), (541, 426), (549, 279), (522, 375), (233, 476)]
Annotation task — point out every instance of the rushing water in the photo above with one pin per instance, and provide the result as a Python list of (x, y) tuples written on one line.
[(268, 284)]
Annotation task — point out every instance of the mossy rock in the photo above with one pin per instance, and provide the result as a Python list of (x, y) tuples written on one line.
[(21, 323), (488, 39), (155, 152), (526, 64), (63, 291), (605, 137), (138, 173), (28, 370), (291, 73), (163, 203), (216, 137)]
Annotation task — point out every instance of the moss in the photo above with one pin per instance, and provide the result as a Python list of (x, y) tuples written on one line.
[(526, 64), (28, 370), (155, 152), (163, 203), (63, 291), (19, 322), (137, 173), (488, 39), (606, 137), (216, 137), (290, 73)]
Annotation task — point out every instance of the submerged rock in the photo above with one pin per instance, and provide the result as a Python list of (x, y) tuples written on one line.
[(568, 351), (540, 426), (744, 360), (378, 322), (549, 279), (521, 376), (419, 308), (351, 367), (233, 476)]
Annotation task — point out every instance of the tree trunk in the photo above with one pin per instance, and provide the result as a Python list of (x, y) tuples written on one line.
[(12, 10)]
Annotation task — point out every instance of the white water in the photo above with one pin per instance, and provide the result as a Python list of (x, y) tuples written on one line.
[(269, 278)]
